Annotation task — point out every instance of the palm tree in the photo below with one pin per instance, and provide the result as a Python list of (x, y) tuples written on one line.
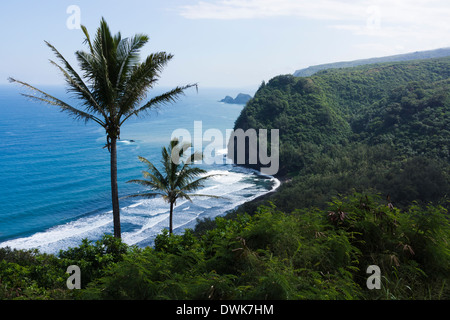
[(177, 179), (111, 90)]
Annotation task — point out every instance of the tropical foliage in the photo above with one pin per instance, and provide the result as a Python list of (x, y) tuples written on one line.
[(306, 254), (380, 127)]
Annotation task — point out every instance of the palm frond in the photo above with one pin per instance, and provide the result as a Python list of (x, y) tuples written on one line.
[(177, 152), (88, 38), (194, 185), (154, 103), (128, 55), (156, 182), (82, 92), (158, 175), (76, 81), (51, 100), (87, 64), (187, 175), (145, 183), (100, 66), (140, 78), (170, 167), (95, 71), (161, 100)]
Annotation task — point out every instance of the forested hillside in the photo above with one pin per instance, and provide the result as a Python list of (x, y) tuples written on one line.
[(382, 127)]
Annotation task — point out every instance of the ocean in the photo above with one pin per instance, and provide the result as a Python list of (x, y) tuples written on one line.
[(54, 172)]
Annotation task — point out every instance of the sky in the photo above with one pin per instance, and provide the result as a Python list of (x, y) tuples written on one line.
[(222, 43)]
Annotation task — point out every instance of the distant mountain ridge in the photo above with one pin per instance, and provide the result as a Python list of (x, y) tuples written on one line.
[(437, 53)]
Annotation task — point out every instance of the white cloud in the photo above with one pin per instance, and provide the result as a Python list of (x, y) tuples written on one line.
[(251, 9), (368, 17), (358, 29)]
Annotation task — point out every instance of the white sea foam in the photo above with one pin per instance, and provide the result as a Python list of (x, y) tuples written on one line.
[(63, 236), (144, 219), (276, 184), (222, 151)]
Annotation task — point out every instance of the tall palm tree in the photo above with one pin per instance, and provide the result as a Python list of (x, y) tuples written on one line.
[(112, 88), (177, 180)]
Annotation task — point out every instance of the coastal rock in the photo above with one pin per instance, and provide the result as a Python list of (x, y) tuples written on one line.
[(241, 98)]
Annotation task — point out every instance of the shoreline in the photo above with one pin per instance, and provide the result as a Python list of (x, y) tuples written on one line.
[(256, 202), (205, 224), (280, 179), (268, 194), (22, 242)]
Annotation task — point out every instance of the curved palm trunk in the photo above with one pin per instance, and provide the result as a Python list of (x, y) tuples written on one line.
[(171, 218), (115, 189)]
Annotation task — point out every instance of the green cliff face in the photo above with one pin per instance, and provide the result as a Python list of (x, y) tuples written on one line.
[(363, 127)]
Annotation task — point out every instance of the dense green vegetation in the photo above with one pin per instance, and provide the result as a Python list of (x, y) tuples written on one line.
[(306, 254), (364, 157), (383, 128)]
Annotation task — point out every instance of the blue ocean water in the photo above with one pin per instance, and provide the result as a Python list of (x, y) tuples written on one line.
[(54, 172)]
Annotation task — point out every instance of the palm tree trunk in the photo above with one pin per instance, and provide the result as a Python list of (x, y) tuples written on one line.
[(171, 218), (115, 189)]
